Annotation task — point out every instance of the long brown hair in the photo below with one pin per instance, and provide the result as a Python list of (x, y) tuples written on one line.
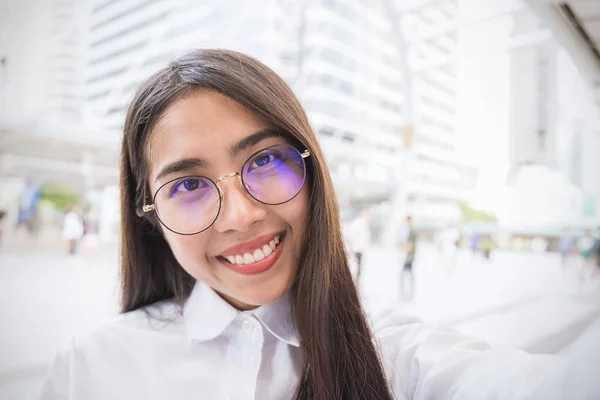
[(341, 360)]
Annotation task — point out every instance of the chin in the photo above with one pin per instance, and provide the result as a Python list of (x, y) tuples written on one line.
[(261, 298), (261, 294), (264, 291)]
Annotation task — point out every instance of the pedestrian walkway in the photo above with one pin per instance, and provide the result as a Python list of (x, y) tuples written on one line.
[(522, 300), (45, 298)]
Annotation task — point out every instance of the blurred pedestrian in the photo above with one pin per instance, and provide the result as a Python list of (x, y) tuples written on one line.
[(566, 244), (28, 213), (597, 256), (486, 246), (408, 243), (358, 237), (539, 244), (2, 223), (475, 242), (72, 229), (587, 247), (90, 242)]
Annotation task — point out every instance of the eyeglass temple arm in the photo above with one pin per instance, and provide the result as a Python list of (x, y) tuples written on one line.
[(150, 207)]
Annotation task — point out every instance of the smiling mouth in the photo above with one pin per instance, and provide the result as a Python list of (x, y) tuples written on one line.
[(256, 255)]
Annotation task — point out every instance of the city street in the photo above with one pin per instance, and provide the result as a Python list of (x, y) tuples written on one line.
[(522, 300)]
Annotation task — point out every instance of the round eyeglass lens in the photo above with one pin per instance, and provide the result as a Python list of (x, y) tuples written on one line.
[(274, 175), (187, 205)]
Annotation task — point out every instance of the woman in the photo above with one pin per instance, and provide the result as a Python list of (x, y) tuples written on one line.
[(598, 247), (235, 281), (72, 229), (2, 216), (358, 237), (586, 247)]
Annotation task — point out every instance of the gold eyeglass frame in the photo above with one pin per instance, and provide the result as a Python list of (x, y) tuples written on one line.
[(152, 207)]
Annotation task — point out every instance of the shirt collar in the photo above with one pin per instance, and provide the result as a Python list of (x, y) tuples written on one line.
[(206, 316), (277, 317)]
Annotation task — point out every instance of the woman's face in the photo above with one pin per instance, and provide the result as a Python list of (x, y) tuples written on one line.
[(208, 134)]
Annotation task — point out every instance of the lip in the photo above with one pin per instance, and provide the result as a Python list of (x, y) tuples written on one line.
[(257, 267), (249, 247)]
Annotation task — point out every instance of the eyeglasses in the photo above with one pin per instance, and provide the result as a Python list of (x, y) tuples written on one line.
[(191, 204)]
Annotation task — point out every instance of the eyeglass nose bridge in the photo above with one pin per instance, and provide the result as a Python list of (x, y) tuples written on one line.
[(230, 175)]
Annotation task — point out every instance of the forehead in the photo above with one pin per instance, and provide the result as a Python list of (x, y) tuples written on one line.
[(203, 123)]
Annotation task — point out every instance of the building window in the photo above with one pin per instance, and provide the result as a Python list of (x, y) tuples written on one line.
[(104, 4), (136, 27), (136, 8)]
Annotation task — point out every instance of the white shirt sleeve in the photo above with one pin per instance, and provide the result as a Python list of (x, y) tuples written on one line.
[(425, 361), (68, 377)]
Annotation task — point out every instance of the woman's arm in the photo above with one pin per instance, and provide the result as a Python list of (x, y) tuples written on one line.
[(433, 362)]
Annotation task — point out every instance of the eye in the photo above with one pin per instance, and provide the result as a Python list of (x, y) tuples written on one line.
[(187, 185), (262, 160), (191, 184)]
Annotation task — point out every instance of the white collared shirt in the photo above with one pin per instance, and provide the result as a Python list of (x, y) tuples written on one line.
[(213, 351)]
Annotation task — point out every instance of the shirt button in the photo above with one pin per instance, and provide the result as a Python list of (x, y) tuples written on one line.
[(247, 325)]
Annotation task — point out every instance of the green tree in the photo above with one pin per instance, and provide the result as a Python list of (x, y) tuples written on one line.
[(59, 196), (472, 214)]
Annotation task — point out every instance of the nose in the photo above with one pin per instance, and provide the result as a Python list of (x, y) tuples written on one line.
[(239, 211)]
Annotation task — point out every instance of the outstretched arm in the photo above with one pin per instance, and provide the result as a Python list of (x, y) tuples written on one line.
[(427, 361)]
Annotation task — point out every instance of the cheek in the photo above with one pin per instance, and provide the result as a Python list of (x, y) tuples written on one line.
[(188, 250), (297, 214)]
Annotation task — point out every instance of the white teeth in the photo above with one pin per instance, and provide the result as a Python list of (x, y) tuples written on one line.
[(258, 255), (267, 251)]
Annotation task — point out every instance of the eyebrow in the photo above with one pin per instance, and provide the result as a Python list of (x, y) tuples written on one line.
[(234, 149)]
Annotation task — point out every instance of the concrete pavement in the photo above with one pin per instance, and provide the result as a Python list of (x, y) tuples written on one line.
[(522, 300), (525, 300)]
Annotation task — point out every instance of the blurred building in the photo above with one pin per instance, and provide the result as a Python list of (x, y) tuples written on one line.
[(127, 40), (436, 186), (40, 65), (554, 136), (43, 139), (64, 64), (368, 73), (351, 83), (533, 97)]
